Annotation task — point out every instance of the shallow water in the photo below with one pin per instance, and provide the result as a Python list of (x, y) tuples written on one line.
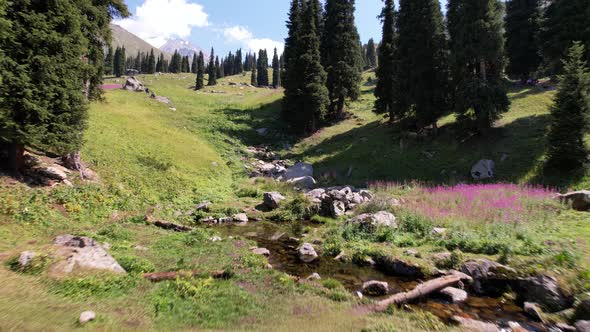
[(284, 258)]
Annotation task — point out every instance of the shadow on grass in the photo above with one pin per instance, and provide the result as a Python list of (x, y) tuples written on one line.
[(520, 92)]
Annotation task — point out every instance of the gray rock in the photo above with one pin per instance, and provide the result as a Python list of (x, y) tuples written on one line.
[(488, 277), (87, 316), (367, 195), (25, 258), (215, 239), (56, 172), (411, 252), (565, 327), (83, 252), (580, 200), (397, 267), (337, 209), (133, 84), (307, 253), (261, 251), (305, 182), (545, 291), (473, 325), (314, 276), (439, 231), (273, 199), (262, 131), (240, 218), (533, 310), (299, 170), (454, 295), (375, 288), (484, 169), (382, 218), (203, 206), (583, 325)]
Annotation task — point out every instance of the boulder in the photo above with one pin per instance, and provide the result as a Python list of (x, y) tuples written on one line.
[(86, 317), (583, 309), (298, 170), (261, 251), (580, 200), (204, 206), (373, 220), (375, 288), (454, 295), (489, 278), (533, 310), (314, 276), (56, 172), (397, 267), (305, 182), (133, 84), (337, 209), (545, 291), (583, 326), (484, 169), (25, 258), (240, 218), (307, 253), (83, 252), (473, 325), (272, 200)]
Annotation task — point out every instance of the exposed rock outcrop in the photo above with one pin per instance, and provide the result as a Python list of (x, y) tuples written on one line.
[(82, 252), (133, 84), (580, 200), (307, 253), (375, 288)]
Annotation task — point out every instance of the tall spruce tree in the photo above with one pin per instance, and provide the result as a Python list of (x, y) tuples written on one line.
[(342, 55), (200, 62), (276, 71), (109, 62), (386, 92), (118, 63), (477, 47), (565, 22), (523, 28), (306, 96), (151, 63), (422, 62), (212, 70), (570, 113), (263, 79), (371, 54), (254, 74)]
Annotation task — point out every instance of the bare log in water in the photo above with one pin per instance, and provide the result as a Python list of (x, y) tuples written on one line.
[(163, 276), (419, 292), (172, 227)]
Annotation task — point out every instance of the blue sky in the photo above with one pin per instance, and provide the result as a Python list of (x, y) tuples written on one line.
[(228, 24)]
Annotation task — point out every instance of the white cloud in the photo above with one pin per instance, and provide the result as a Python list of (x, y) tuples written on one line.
[(242, 35), (157, 20)]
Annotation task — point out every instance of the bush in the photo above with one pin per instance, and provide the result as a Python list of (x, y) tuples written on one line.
[(331, 283), (135, 265)]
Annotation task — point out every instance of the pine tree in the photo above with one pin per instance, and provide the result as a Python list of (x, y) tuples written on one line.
[(137, 62), (342, 55), (263, 79), (109, 62), (118, 63), (212, 70), (306, 95), (152, 62), (276, 71), (565, 22), (160, 63), (477, 48), (254, 74), (371, 54), (569, 114), (386, 91), (200, 61), (523, 27), (219, 69), (238, 66), (194, 64), (422, 57)]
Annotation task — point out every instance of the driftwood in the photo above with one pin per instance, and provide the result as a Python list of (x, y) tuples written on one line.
[(172, 226), (419, 292), (163, 276)]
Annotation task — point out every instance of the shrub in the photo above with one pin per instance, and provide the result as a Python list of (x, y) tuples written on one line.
[(135, 265), (331, 283)]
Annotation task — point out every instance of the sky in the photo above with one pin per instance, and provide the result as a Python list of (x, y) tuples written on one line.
[(228, 24)]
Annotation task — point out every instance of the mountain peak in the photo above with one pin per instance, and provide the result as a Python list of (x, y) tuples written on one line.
[(184, 47)]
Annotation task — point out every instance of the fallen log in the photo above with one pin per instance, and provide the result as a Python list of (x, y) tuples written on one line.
[(163, 276), (419, 292), (172, 227)]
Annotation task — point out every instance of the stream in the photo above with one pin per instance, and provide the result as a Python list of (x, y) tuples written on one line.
[(284, 258)]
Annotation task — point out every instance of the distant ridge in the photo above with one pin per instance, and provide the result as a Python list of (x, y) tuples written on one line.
[(184, 47), (133, 43)]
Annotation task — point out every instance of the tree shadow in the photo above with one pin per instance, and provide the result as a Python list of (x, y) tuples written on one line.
[(519, 91)]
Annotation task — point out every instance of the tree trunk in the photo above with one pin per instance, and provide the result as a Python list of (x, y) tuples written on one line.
[(482, 69), (73, 161), (16, 153)]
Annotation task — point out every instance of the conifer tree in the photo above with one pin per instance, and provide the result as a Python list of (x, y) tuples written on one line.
[(569, 114), (565, 21), (212, 70), (523, 27), (306, 95), (477, 47), (371, 54), (151, 63), (263, 79), (109, 62), (123, 63), (137, 62), (254, 74), (342, 55), (118, 63), (219, 69), (200, 61), (276, 71), (160, 63), (422, 57), (194, 64), (386, 91)]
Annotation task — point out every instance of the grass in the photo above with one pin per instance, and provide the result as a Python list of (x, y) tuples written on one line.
[(162, 160)]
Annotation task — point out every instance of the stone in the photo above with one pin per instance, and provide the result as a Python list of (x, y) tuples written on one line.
[(533, 310), (582, 326), (305, 182), (454, 295), (56, 172), (489, 278), (277, 236), (375, 288), (337, 209), (204, 206), (545, 291), (314, 276), (262, 131), (411, 252), (565, 327), (379, 219), (438, 231), (484, 169), (261, 251), (580, 200), (397, 267), (240, 218), (272, 200), (83, 252), (473, 325), (163, 100), (25, 258), (133, 84), (367, 195), (307, 253), (87, 316), (298, 170), (215, 239)]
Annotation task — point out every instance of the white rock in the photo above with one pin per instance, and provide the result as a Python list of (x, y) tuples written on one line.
[(299, 170), (454, 295), (375, 288), (484, 169), (240, 217), (314, 276), (87, 316), (261, 251), (307, 253), (25, 258), (306, 182)]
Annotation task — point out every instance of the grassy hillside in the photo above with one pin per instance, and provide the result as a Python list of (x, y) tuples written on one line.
[(132, 43), (160, 160)]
